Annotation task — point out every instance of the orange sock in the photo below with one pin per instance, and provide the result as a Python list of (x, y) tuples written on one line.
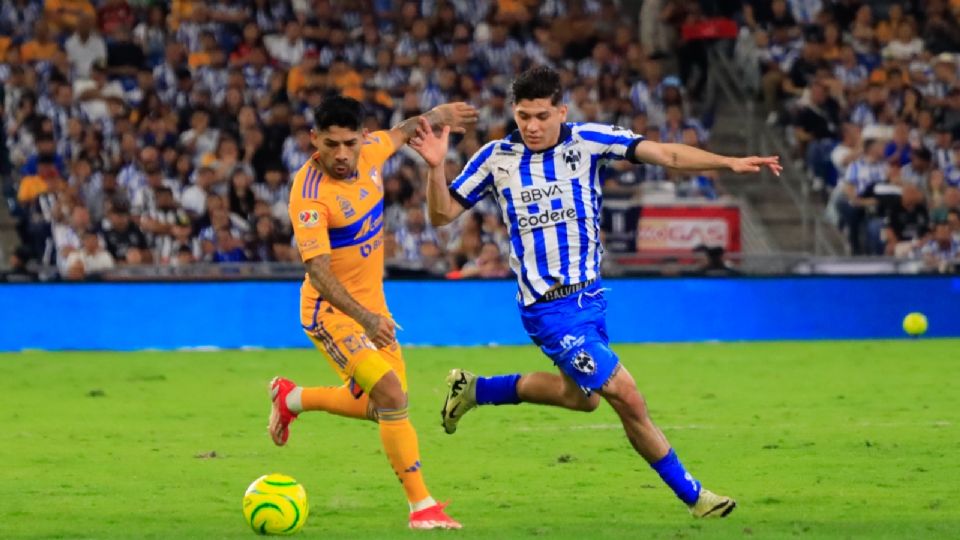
[(400, 442), (337, 400)]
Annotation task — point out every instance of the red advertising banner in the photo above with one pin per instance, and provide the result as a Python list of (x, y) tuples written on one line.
[(671, 229)]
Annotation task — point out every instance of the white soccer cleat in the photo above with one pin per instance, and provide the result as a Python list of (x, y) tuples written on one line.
[(461, 398)]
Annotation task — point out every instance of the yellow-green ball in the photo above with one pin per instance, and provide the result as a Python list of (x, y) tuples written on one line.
[(275, 504), (915, 324)]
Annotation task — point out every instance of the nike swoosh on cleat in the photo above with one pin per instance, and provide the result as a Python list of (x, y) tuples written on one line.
[(728, 505)]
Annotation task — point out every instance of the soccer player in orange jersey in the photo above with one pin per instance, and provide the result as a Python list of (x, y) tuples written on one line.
[(336, 209)]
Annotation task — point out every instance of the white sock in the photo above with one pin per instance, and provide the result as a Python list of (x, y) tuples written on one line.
[(294, 400), (420, 505)]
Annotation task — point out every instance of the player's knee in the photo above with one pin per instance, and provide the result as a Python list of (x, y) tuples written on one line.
[(388, 393), (587, 403)]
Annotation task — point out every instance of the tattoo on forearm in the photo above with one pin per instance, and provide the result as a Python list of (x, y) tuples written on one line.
[(333, 291), (409, 126)]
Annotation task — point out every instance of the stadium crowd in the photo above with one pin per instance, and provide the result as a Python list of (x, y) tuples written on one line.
[(870, 100), (141, 132), (167, 133)]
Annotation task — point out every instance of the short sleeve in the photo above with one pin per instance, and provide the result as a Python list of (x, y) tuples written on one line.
[(610, 142), (310, 221), (378, 147), (476, 179)]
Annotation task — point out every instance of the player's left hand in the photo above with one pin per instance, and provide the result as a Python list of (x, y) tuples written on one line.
[(754, 164), (432, 149), (459, 116)]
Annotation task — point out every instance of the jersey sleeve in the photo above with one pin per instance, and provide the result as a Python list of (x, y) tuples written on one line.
[(476, 179), (310, 219), (378, 147), (610, 142)]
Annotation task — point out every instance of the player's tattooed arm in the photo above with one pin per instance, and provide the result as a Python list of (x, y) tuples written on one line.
[(691, 158), (378, 328), (459, 116)]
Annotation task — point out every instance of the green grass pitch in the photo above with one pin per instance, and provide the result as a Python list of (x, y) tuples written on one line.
[(815, 440)]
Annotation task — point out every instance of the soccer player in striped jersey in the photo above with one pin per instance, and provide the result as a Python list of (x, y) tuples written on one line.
[(336, 208), (546, 179)]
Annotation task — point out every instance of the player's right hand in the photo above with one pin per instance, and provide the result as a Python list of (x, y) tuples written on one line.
[(380, 330), (431, 148)]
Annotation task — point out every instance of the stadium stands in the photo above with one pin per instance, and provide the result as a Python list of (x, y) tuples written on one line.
[(171, 130), (868, 94)]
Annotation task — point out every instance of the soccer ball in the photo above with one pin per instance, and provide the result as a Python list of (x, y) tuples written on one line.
[(275, 504), (915, 324)]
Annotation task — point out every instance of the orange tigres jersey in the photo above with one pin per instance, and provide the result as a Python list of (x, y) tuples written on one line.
[(345, 219)]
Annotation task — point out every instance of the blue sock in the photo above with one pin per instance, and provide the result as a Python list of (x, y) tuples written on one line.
[(498, 390), (685, 486)]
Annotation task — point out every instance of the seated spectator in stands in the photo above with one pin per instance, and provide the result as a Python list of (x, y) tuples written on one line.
[(67, 233), (875, 108), (184, 257), (46, 148), (89, 260), (414, 233), (489, 263), (817, 125), (228, 248), (906, 224), (953, 219), (42, 48), (943, 155), (906, 46), (898, 150), (46, 179), (848, 150), (158, 224), (917, 172), (804, 69), (200, 140), (125, 241), (941, 252), (859, 183), (263, 246), (194, 198)]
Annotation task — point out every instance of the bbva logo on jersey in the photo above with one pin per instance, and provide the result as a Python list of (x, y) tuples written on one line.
[(572, 158)]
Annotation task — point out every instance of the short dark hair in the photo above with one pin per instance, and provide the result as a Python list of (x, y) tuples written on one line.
[(340, 111), (538, 83)]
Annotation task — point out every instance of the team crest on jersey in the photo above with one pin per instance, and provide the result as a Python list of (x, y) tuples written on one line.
[(584, 363), (572, 158), (375, 176), (308, 218), (346, 207)]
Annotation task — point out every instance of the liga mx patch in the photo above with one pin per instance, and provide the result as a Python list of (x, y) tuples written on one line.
[(308, 218)]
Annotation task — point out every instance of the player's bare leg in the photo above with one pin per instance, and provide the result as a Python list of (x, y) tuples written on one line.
[(556, 390), (647, 439)]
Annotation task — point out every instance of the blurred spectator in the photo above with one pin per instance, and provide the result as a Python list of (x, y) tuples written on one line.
[(940, 253), (85, 48), (489, 263), (863, 175), (124, 240), (907, 223), (89, 259)]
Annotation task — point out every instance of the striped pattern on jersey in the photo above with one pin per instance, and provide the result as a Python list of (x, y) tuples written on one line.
[(550, 201)]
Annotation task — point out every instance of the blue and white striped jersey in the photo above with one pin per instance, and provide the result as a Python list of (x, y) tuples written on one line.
[(550, 201)]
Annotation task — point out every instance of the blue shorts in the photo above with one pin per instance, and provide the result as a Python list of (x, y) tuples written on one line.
[(572, 331)]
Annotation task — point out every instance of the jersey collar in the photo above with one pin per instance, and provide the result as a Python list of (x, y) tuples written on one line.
[(565, 134)]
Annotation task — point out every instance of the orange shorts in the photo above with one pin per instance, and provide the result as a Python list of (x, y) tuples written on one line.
[(348, 349)]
